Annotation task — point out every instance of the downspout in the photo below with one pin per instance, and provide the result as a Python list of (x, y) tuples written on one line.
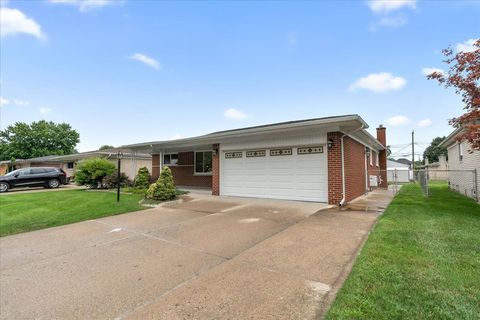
[(344, 187)]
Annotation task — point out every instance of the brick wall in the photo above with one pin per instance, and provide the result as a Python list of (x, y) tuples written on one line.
[(183, 172), (334, 156), (354, 168), (216, 171), (155, 167)]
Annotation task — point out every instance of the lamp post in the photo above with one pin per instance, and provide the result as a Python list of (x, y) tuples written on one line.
[(119, 158)]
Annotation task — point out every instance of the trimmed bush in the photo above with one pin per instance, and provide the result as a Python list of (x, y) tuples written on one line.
[(142, 180), (92, 171), (110, 181), (164, 189)]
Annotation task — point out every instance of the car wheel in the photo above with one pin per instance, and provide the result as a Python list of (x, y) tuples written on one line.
[(53, 183), (4, 187)]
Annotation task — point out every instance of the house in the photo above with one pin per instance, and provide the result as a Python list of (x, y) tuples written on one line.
[(130, 162), (463, 165), (332, 160), (398, 171), (437, 170)]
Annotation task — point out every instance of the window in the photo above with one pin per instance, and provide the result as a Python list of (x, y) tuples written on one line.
[(69, 165), (37, 171), (203, 162), (377, 159), (460, 151), (370, 155), (170, 159)]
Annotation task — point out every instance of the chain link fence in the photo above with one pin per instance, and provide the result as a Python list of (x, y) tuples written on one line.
[(465, 182), (462, 181)]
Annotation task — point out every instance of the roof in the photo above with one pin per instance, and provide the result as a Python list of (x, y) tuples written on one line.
[(396, 164), (451, 139), (351, 123), (82, 155)]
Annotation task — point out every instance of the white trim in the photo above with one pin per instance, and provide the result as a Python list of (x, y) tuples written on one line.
[(377, 159)]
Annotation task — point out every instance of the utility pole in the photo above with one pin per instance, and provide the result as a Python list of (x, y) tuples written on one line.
[(413, 154)]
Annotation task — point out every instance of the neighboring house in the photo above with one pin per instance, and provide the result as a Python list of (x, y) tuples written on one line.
[(463, 165), (437, 170), (329, 159), (398, 172), (130, 162)]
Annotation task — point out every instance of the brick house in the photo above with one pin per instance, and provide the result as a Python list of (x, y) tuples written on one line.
[(332, 160), (463, 165)]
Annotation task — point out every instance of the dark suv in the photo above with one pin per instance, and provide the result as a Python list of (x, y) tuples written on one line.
[(33, 177)]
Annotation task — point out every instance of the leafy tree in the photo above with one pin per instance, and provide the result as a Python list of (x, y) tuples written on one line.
[(464, 76), (142, 180), (91, 172), (38, 139), (433, 152), (106, 146), (164, 189)]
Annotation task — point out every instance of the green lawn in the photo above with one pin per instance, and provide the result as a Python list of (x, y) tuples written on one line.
[(422, 261), (22, 212)]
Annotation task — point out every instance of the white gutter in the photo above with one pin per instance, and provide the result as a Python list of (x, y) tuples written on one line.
[(344, 187)]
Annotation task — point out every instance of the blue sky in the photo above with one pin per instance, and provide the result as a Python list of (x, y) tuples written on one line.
[(124, 72)]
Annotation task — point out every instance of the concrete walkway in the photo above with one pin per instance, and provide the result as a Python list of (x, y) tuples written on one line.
[(207, 257)]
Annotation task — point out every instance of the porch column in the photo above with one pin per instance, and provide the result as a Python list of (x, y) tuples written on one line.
[(216, 169)]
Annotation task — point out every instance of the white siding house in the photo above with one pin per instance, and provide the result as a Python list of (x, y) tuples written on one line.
[(463, 165)]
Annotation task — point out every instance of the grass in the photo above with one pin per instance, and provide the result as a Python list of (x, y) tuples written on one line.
[(32, 211), (422, 261)]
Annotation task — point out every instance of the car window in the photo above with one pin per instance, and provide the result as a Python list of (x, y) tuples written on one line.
[(24, 172), (13, 172), (37, 171)]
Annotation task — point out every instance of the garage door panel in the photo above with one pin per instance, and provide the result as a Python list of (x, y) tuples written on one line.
[(292, 177)]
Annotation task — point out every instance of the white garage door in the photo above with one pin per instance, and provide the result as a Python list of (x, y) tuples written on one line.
[(285, 173)]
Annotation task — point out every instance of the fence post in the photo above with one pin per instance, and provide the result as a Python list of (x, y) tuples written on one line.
[(475, 182)]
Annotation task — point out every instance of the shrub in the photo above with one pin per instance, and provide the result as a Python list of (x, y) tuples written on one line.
[(142, 180), (164, 189), (92, 171), (110, 181)]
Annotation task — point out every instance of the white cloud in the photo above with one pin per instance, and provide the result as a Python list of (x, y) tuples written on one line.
[(428, 71), (3, 101), (14, 21), (235, 114), (392, 22), (379, 82), (425, 123), (86, 5), (386, 6), (466, 46), (398, 121), (20, 102), (44, 110), (146, 60)]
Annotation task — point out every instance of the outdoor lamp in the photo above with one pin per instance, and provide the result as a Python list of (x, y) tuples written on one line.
[(330, 143)]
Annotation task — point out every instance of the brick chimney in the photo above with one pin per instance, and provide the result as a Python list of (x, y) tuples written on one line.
[(382, 156)]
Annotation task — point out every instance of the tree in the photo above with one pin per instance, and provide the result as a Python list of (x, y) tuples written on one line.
[(389, 151), (164, 189), (91, 172), (106, 146), (464, 76), (142, 180), (38, 139), (433, 152)]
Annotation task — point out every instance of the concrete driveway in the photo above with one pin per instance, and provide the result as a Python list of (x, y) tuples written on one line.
[(204, 258)]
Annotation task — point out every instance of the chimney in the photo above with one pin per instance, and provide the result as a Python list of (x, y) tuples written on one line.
[(382, 156), (381, 135)]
